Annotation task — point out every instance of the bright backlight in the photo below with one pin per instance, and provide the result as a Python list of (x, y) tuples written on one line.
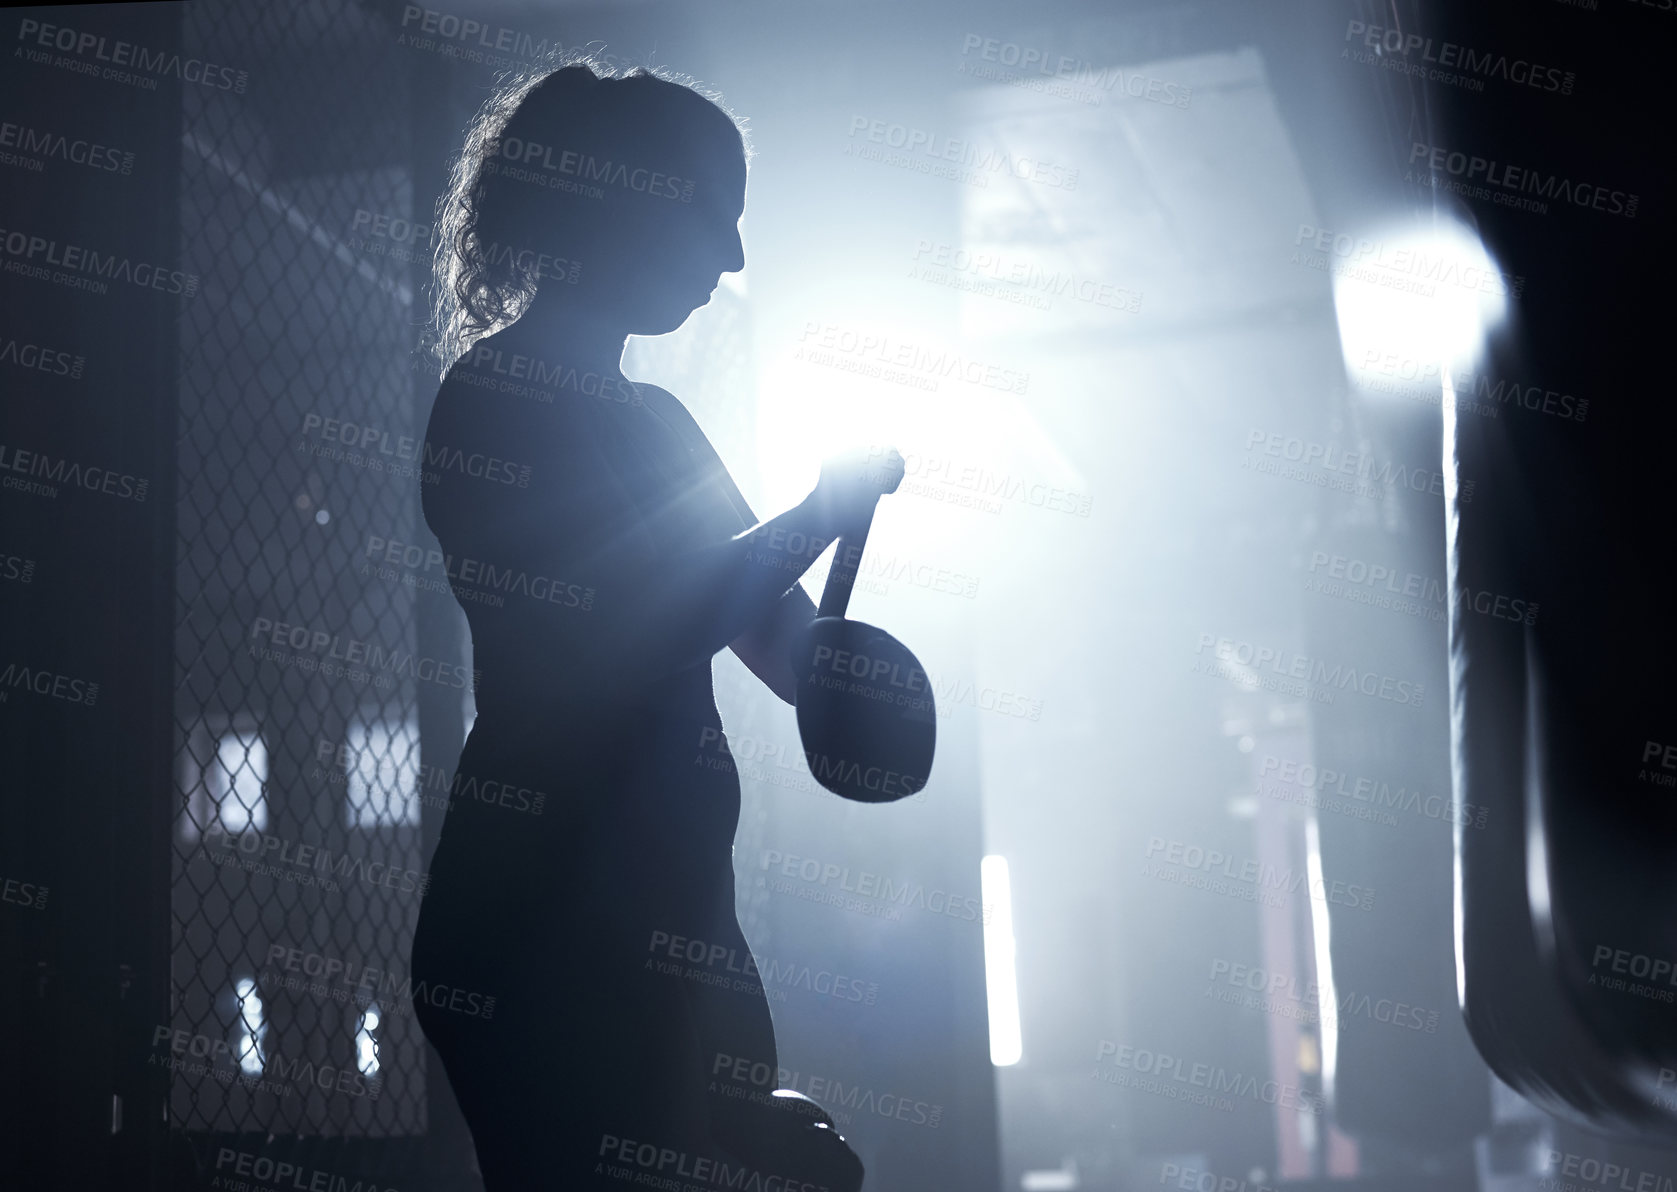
[(1412, 300)]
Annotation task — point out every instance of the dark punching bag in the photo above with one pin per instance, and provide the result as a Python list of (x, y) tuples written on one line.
[(1566, 898)]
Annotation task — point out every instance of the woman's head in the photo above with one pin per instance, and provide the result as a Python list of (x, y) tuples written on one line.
[(618, 195)]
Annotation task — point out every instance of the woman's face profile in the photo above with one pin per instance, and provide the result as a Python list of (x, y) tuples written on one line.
[(673, 254)]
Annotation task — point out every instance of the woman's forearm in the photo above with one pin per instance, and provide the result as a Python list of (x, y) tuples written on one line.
[(688, 610)]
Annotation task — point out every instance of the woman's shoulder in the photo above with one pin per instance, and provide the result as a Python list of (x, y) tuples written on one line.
[(497, 389), (680, 420), (531, 374)]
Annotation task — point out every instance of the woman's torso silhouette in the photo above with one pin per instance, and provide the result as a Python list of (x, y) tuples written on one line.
[(567, 917)]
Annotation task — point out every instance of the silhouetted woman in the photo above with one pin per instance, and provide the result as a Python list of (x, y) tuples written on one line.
[(603, 556)]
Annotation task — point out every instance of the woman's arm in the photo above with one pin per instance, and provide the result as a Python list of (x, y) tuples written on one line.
[(766, 648), (766, 645), (676, 613), (653, 614)]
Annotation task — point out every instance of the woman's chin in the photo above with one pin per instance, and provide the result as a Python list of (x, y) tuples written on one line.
[(667, 319)]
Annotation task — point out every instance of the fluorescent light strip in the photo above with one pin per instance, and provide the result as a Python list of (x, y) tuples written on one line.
[(1000, 977)]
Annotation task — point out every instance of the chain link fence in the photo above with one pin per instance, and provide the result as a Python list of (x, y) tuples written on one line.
[(297, 873)]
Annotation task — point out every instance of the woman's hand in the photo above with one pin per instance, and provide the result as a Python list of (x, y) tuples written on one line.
[(851, 482)]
